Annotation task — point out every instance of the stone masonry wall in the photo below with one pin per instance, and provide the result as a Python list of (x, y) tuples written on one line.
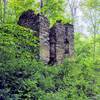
[(57, 43), (60, 51), (54, 44), (40, 24), (61, 42), (44, 38), (70, 38)]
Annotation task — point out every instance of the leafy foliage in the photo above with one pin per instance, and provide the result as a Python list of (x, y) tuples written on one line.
[(23, 78), (15, 43)]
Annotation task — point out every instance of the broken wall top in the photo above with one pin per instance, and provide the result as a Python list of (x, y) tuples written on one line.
[(31, 20)]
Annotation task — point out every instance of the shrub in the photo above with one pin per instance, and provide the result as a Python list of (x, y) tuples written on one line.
[(24, 78)]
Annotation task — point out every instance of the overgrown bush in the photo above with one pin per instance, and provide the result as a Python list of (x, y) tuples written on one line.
[(24, 78), (17, 44), (37, 81)]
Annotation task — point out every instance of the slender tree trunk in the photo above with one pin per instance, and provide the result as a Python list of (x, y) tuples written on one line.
[(4, 10), (94, 45), (93, 20), (41, 4), (1, 11), (15, 11), (73, 5)]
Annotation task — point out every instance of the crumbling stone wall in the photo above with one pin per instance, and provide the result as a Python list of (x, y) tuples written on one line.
[(27, 19), (44, 38), (52, 44), (40, 24), (69, 40), (61, 42), (56, 43)]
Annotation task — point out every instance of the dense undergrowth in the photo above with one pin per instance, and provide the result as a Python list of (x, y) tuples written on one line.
[(24, 78)]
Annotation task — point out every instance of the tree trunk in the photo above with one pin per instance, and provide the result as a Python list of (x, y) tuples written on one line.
[(4, 10), (1, 12), (41, 4)]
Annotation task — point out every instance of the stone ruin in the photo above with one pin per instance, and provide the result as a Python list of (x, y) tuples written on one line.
[(40, 24), (61, 42), (56, 42)]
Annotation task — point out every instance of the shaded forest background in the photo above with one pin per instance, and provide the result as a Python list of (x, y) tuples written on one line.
[(24, 78)]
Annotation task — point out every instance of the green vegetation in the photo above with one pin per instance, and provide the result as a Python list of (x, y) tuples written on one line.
[(24, 78)]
